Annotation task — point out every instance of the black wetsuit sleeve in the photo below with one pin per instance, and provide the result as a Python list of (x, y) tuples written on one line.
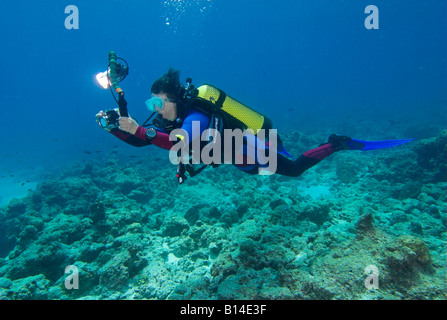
[(129, 138)]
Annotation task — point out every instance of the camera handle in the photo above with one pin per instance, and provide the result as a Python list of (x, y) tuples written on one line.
[(122, 103)]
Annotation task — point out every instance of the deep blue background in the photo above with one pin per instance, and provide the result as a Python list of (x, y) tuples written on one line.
[(307, 64)]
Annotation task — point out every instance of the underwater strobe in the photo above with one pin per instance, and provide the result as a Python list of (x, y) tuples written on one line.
[(117, 70)]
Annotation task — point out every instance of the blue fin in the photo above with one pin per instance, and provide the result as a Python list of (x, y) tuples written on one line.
[(355, 144), (284, 152), (281, 150)]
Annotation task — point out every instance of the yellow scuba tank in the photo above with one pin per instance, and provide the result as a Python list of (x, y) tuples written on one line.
[(245, 117)]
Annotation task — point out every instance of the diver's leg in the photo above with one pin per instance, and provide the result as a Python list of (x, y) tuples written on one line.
[(287, 167), (310, 158), (294, 168)]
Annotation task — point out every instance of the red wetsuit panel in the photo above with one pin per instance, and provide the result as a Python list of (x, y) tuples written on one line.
[(320, 153)]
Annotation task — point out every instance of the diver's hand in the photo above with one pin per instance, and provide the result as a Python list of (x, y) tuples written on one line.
[(128, 125)]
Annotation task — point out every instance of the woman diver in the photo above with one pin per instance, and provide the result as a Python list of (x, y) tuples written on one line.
[(177, 110)]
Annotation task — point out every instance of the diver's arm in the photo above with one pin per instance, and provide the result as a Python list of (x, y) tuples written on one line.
[(160, 140), (135, 135), (124, 135), (129, 138), (129, 125)]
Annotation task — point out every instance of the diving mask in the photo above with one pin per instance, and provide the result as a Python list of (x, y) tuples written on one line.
[(156, 104)]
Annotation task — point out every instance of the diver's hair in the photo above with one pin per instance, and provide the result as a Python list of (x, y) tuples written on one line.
[(169, 83)]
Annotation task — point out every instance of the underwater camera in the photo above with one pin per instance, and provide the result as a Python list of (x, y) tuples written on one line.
[(110, 121)]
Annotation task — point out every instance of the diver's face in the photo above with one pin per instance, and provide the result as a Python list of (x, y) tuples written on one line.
[(169, 110)]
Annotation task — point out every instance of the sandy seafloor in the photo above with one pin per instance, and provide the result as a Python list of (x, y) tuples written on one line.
[(133, 233)]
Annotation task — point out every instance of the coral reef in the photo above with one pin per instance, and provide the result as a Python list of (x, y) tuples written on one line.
[(133, 233)]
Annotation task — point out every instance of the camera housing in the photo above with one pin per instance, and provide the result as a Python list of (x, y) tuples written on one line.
[(110, 120)]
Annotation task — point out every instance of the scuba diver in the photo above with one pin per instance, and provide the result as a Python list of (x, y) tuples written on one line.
[(194, 110)]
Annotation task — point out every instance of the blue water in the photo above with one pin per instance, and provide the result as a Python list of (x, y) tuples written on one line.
[(309, 65)]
